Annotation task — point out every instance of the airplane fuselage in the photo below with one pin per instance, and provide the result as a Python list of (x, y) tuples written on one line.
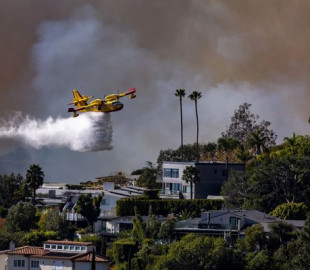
[(98, 105), (110, 103)]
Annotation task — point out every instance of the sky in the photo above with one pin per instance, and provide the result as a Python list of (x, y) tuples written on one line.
[(232, 52)]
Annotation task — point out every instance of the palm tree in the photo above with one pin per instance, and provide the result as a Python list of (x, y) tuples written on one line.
[(34, 178), (258, 142), (192, 175), (291, 143), (181, 93), (195, 96)]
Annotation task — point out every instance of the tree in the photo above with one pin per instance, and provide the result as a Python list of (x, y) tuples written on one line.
[(34, 178), (89, 207), (243, 122), (258, 142), (181, 93), (291, 210), (119, 179), (301, 260), (192, 175), (195, 96), (36, 238), (280, 180), (148, 176), (255, 237), (292, 143), (236, 190), (281, 231), (21, 217), (227, 146), (12, 189), (198, 252), (50, 220), (259, 261)]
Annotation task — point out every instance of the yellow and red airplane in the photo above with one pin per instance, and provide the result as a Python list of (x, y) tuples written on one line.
[(109, 104)]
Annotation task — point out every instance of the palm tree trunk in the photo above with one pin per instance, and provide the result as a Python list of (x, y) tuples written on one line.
[(191, 184), (197, 150), (34, 196), (181, 128)]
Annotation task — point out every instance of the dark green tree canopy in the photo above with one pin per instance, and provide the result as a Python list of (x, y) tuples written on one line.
[(147, 176), (21, 217), (89, 207), (34, 178), (12, 189)]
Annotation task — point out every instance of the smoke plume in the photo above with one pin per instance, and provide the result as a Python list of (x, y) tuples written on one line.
[(88, 132)]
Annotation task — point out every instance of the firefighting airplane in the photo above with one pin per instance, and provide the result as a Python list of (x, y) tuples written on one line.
[(109, 104)]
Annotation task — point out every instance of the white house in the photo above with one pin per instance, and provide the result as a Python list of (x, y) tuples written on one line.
[(212, 176), (107, 218), (55, 255)]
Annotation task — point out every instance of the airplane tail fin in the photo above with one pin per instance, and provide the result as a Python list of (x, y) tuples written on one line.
[(75, 114), (131, 92)]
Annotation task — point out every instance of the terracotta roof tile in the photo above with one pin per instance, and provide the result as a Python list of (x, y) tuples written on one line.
[(58, 255), (88, 258), (26, 250)]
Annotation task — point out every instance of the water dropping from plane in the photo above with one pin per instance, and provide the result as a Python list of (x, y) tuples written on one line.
[(89, 132)]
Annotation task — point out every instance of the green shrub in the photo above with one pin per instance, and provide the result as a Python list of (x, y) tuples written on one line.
[(125, 207), (123, 250)]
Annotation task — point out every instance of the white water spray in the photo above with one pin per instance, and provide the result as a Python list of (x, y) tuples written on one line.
[(88, 132)]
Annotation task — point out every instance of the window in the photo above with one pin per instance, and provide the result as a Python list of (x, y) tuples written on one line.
[(176, 187), (105, 202), (19, 263), (34, 264), (186, 189), (83, 248), (71, 247), (77, 248), (53, 246), (171, 173), (66, 247), (47, 246), (233, 223), (59, 247)]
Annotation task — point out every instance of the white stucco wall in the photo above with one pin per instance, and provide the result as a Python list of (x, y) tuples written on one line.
[(3, 261)]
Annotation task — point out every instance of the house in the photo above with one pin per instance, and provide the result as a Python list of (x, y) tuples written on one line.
[(212, 177), (233, 222), (54, 255), (106, 219)]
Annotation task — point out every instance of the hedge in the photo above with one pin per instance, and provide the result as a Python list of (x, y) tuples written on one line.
[(124, 249), (125, 207)]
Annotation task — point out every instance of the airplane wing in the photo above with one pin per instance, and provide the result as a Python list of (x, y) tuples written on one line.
[(79, 100), (115, 97), (130, 92)]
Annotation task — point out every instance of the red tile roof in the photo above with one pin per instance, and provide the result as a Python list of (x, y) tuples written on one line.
[(26, 250), (88, 258)]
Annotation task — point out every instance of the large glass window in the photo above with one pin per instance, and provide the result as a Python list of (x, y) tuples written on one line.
[(34, 264), (171, 173), (176, 187), (19, 263)]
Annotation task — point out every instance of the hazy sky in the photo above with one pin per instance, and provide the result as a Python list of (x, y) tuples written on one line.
[(232, 51)]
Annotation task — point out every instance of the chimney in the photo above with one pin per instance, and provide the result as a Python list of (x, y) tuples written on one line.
[(12, 245)]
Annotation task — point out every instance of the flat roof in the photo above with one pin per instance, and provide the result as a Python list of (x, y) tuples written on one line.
[(64, 242)]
